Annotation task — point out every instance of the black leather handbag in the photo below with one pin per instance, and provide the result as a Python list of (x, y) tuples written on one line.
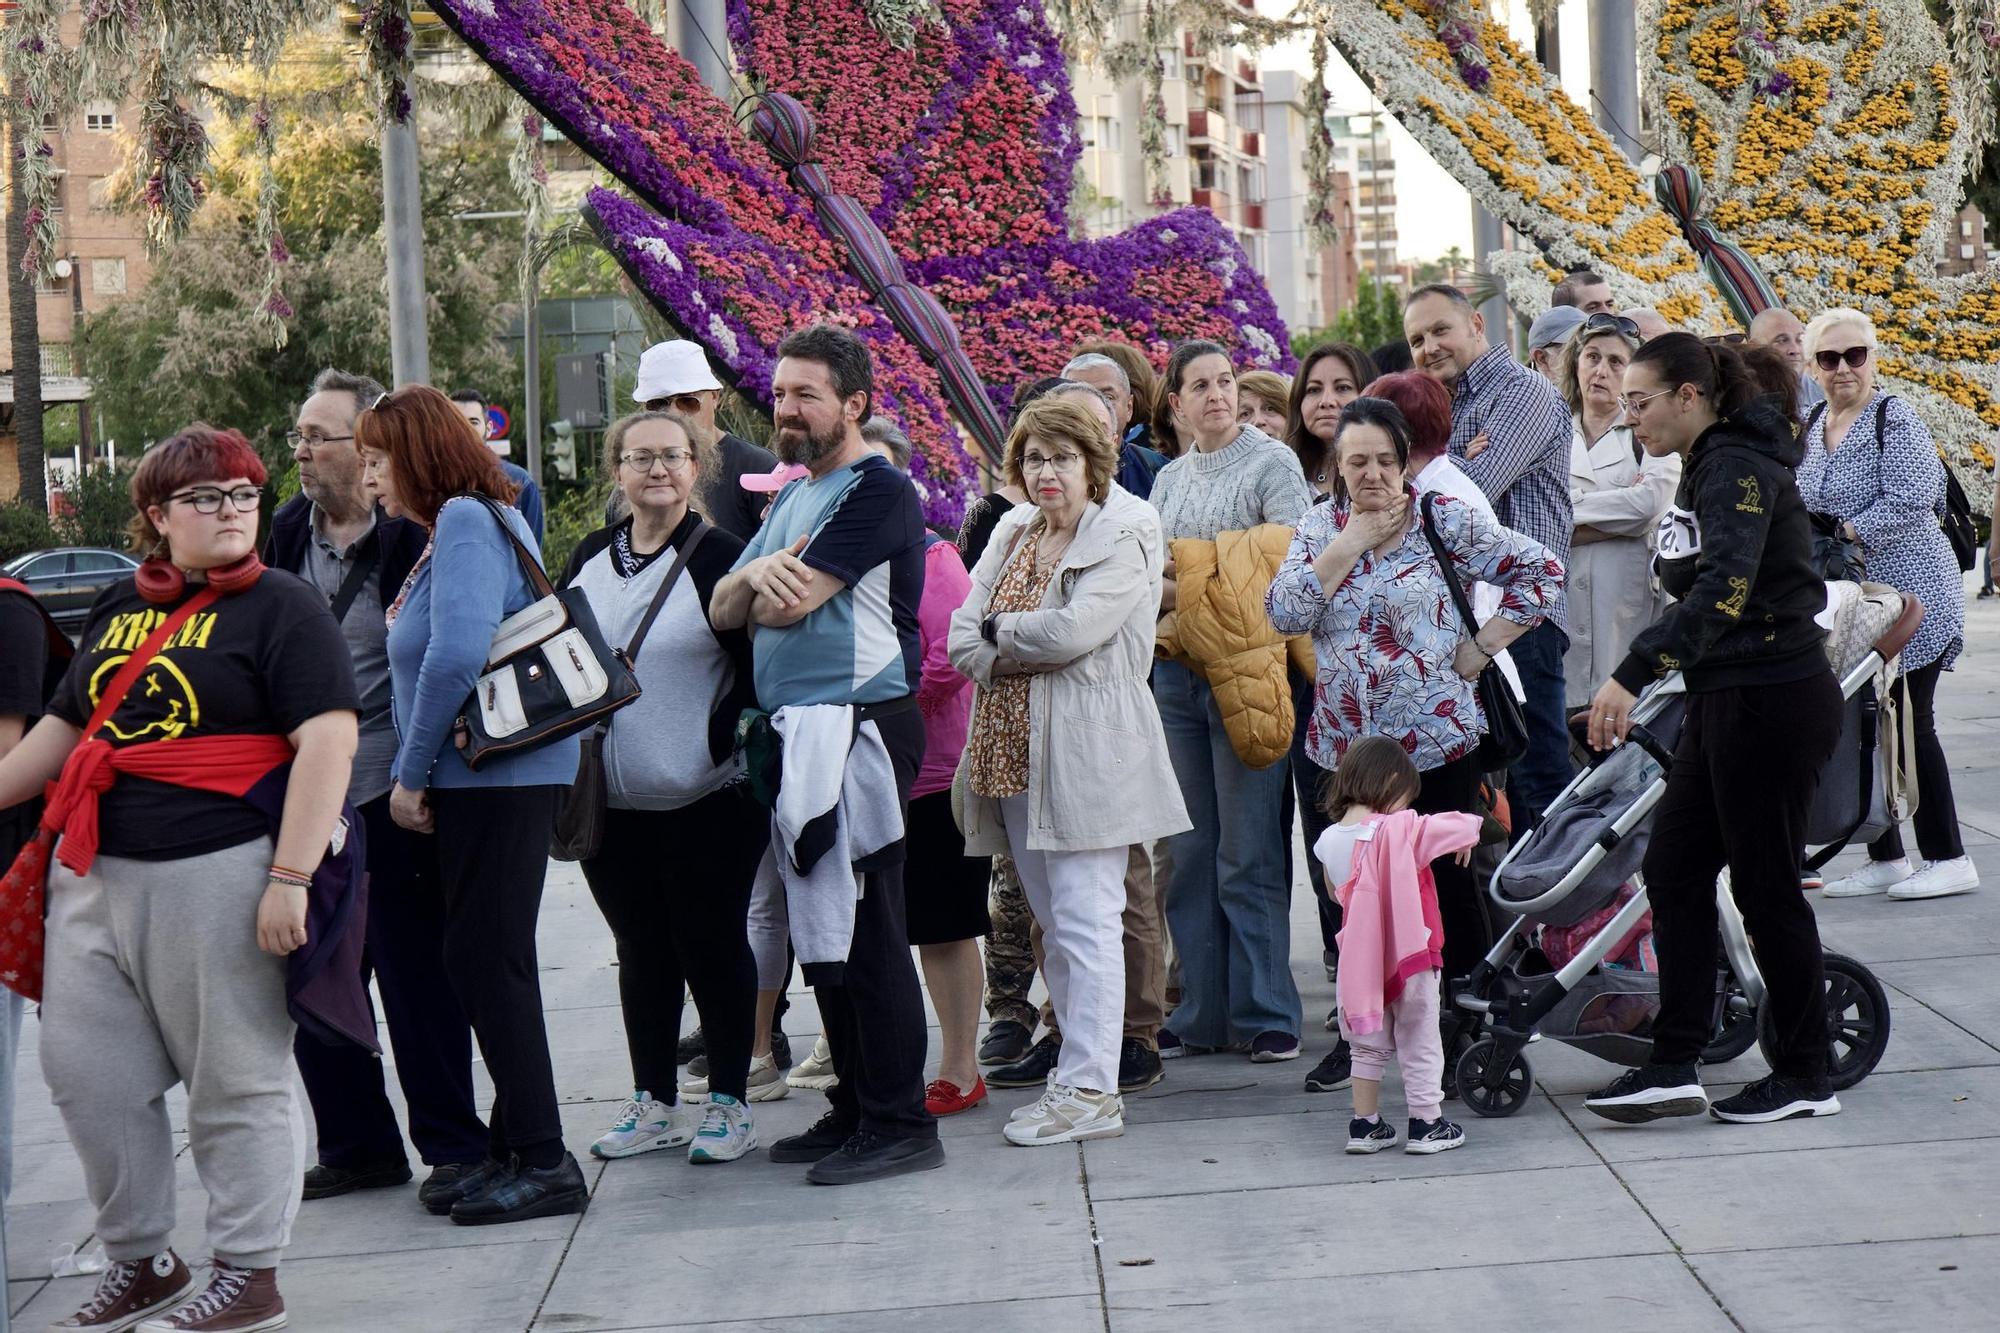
[(577, 832), (1506, 738), (548, 672)]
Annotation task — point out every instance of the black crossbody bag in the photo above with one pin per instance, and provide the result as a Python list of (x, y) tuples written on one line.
[(1506, 738)]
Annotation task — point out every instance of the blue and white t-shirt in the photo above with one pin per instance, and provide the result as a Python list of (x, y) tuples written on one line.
[(860, 646)]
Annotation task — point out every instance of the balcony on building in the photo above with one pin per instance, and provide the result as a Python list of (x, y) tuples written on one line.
[(1253, 216), (1208, 126)]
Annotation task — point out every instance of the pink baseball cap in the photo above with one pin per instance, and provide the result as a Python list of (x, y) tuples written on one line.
[(779, 477)]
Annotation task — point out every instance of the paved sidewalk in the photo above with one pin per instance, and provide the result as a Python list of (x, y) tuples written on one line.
[(1228, 1204)]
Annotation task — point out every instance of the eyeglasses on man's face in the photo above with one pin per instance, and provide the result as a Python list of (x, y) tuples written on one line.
[(310, 440), (208, 499)]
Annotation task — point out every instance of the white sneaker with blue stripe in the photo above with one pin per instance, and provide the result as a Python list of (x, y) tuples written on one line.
[(644, 1124), (726, 1132)]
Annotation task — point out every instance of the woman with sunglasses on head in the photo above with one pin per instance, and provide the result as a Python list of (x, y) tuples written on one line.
[(491, 824), (1618, 492), (1763, 716), (179, 893), (1871, 463)]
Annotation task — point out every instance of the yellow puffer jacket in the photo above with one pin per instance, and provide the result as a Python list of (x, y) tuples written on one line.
[(1219, 628)]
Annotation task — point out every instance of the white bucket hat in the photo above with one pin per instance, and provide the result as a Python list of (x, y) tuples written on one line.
[(666, 369)]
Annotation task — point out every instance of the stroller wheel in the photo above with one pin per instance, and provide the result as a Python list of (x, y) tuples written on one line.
[(1509, 1087), (1737, 1031), (1857, 1020)]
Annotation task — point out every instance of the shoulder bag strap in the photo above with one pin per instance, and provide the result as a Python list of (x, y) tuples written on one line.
[(1812, 416), (128, 674), (1458, 597), (364, 565), (681, 558), (538, 579)]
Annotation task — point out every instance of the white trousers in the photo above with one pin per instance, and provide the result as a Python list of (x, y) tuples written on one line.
[(1079, 899)]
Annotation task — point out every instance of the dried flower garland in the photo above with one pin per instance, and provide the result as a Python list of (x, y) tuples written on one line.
[(42, 78)]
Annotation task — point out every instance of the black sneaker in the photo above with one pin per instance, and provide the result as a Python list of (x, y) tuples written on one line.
[(325, 1182), (1270, 1047), (1651, 1092), (1138, 1066), (1363, 1137), (827, 1133), (1429, 1136), (868, 1156), (1032, 1070), (1334, 1072), (1006, 1041), (448, 1184), (1777, 1098), (781, 1047), (692, 1045), (1332, 1023), (522, 1192)]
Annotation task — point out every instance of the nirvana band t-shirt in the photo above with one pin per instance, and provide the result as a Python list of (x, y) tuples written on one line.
[(260, 661)]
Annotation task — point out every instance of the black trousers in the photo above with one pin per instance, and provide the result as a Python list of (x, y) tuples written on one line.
[(1468, 933), (493, 852), (427, 1028), (874, 1017), (1308, 780), (1937, 814), (674, 886), (1741, 785)]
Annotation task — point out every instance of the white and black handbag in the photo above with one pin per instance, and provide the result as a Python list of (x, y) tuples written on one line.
[(548, 672)]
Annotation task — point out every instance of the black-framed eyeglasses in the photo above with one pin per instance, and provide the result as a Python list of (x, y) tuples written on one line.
[(296, 438), (1606, 322), (1855, 357), (685, 403), (208, 499)]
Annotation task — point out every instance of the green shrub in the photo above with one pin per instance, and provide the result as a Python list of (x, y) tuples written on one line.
[(24, 528)]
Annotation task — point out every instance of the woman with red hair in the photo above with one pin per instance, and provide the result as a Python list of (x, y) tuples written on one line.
[(203, 737), (492, 825)]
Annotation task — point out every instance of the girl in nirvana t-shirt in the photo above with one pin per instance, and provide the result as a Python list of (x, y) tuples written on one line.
[(168, 931)]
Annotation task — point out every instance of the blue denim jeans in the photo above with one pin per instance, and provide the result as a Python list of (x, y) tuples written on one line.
[(1545, 769), (1228, 894)]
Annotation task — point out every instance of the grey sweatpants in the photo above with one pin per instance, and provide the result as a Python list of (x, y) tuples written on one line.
[(153, 977)]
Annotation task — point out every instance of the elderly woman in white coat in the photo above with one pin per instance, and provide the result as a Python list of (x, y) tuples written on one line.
[(1619, 493), (1066, 765)]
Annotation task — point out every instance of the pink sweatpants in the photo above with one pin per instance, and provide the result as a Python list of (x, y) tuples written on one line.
[(1410, 1035)]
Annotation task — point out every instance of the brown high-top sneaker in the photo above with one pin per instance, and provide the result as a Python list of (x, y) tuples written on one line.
[(237, 1300), (130, 1291)]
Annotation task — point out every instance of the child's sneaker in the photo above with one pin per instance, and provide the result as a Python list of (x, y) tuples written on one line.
[(644, 1124), (1369, 1137), (1429, 1136), (726, 1132)]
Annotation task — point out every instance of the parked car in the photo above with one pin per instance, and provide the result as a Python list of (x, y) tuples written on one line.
[(67, 581)]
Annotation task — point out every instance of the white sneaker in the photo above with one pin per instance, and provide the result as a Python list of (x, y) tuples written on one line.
[(1939, 879), (766, 1082), (1026, 1109), (726, 1132), (815, 1072), (1068, 1115), (644, 1124), (1874, 877)]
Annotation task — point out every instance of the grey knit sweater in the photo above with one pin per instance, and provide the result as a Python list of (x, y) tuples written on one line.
[(1254, 479)]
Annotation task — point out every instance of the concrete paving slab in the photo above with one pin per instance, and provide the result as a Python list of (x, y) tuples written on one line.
[(1882, 1288), (1965, 991), (1835, 1196), (1654, 1291), (1063, 1314)]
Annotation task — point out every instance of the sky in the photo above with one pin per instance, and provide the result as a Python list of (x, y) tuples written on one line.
[(1433, 211)]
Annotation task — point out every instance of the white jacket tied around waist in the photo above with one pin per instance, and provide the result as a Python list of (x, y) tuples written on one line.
[(1098, 773)]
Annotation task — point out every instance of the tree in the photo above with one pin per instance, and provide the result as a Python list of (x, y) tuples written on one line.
[(1375, 316), (26, 330)]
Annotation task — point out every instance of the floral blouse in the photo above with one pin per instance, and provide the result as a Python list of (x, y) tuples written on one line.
[(1386, 636), (997, 749)]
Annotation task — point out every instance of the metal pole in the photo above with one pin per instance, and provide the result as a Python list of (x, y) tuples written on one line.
[(705, 42), (403, 225), (531, 386), (1487, 241), (1614, 72)]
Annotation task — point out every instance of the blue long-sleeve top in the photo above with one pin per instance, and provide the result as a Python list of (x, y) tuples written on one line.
[(437, 648)]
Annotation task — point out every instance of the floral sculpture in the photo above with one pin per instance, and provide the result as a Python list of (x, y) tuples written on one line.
[(960, 145), (1827, 135)]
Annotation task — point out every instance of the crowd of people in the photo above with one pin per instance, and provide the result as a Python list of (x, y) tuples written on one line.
[(1070, 739)]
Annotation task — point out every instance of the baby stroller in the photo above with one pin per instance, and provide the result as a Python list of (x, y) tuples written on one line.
[(1588, 851)]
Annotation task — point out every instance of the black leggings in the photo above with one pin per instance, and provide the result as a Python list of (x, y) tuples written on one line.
[(493, 853), (1468, 934), (1738, 795), (674, 886), (1937, 815)]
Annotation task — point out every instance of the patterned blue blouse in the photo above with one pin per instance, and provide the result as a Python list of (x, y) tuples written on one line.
[(1892, 491), (1386, 636)]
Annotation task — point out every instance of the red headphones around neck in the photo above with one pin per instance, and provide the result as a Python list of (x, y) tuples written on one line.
[(161, 581)]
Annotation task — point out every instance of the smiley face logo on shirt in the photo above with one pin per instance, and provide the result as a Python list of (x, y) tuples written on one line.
[(161, 705)]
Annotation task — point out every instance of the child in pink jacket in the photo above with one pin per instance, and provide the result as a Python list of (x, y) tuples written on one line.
[(1378, 853)]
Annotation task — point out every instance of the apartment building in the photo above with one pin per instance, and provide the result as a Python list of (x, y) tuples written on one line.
[(1361, 149), (1311, 283)]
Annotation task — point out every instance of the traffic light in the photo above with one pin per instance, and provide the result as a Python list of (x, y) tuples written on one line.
[(563, 450)]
